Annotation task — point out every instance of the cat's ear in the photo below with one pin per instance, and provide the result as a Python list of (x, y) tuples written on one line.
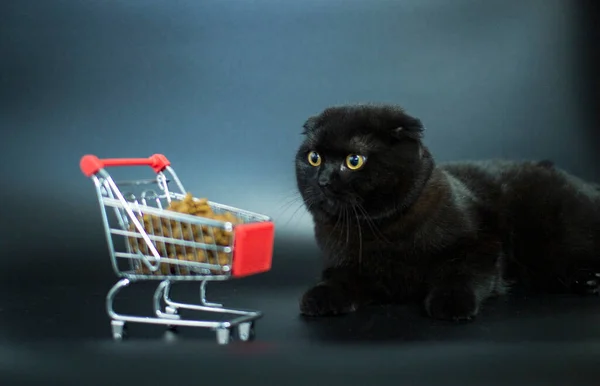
[(411, 128), (310, 125)]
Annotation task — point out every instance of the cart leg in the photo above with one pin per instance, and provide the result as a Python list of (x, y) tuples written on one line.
[(170, 312), (169, 309), (118, 329), (203, 297), (110, 297), (246, 331), (223, 335)]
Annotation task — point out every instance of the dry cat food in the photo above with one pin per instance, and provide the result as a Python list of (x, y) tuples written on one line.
[(168, 228)]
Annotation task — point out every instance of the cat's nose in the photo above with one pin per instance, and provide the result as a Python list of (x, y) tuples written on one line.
[(323, 182)]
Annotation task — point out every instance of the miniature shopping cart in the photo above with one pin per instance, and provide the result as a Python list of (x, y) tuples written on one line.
[(148, 241)]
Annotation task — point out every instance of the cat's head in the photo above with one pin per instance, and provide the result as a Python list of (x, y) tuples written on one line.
[(369, 157)]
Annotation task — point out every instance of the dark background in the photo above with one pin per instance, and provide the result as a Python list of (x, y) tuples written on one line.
[(222, 88)]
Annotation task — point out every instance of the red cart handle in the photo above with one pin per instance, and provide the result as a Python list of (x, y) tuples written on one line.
[(90, 164)]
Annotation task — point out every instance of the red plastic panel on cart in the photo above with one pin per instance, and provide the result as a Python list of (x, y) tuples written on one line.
[(253, 248)]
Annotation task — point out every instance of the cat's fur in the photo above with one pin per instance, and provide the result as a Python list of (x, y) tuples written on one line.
[(451, 235)]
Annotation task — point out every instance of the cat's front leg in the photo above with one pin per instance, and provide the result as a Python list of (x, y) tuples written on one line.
[(457, 302), (459, 287), (340, 292), (327, 299)]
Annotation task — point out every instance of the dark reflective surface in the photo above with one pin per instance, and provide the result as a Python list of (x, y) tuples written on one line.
[(58, 326)]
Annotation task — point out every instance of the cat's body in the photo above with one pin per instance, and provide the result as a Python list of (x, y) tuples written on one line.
[(400, 228)]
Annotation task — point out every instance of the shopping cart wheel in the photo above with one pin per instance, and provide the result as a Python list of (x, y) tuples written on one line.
[(118, 329), (172, 328), (246, 331), (223, 335)]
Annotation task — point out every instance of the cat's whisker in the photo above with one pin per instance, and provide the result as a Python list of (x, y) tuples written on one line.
[(289, 206), (292, 217), (333, 239), (308, 207), (301, 205), (291, 202), (359, 236), (347, 217), (288, 201), (291, 196), (376, 231)]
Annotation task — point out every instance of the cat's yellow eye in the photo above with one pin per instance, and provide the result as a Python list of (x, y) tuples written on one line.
[(355, 161), (314, 158)]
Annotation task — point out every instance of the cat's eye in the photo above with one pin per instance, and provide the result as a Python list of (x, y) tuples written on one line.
[(355, 161), (314, 158)]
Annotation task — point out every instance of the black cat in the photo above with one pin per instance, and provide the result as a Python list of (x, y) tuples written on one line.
[(395, 227)]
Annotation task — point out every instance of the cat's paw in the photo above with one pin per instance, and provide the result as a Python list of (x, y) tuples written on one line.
[(459, 304), (587, 283), (324, 300)]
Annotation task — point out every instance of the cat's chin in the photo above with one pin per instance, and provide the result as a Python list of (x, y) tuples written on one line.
[(334, 208), (329, 207)]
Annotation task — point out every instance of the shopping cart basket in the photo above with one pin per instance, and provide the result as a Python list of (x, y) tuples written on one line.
[(148, 241)]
